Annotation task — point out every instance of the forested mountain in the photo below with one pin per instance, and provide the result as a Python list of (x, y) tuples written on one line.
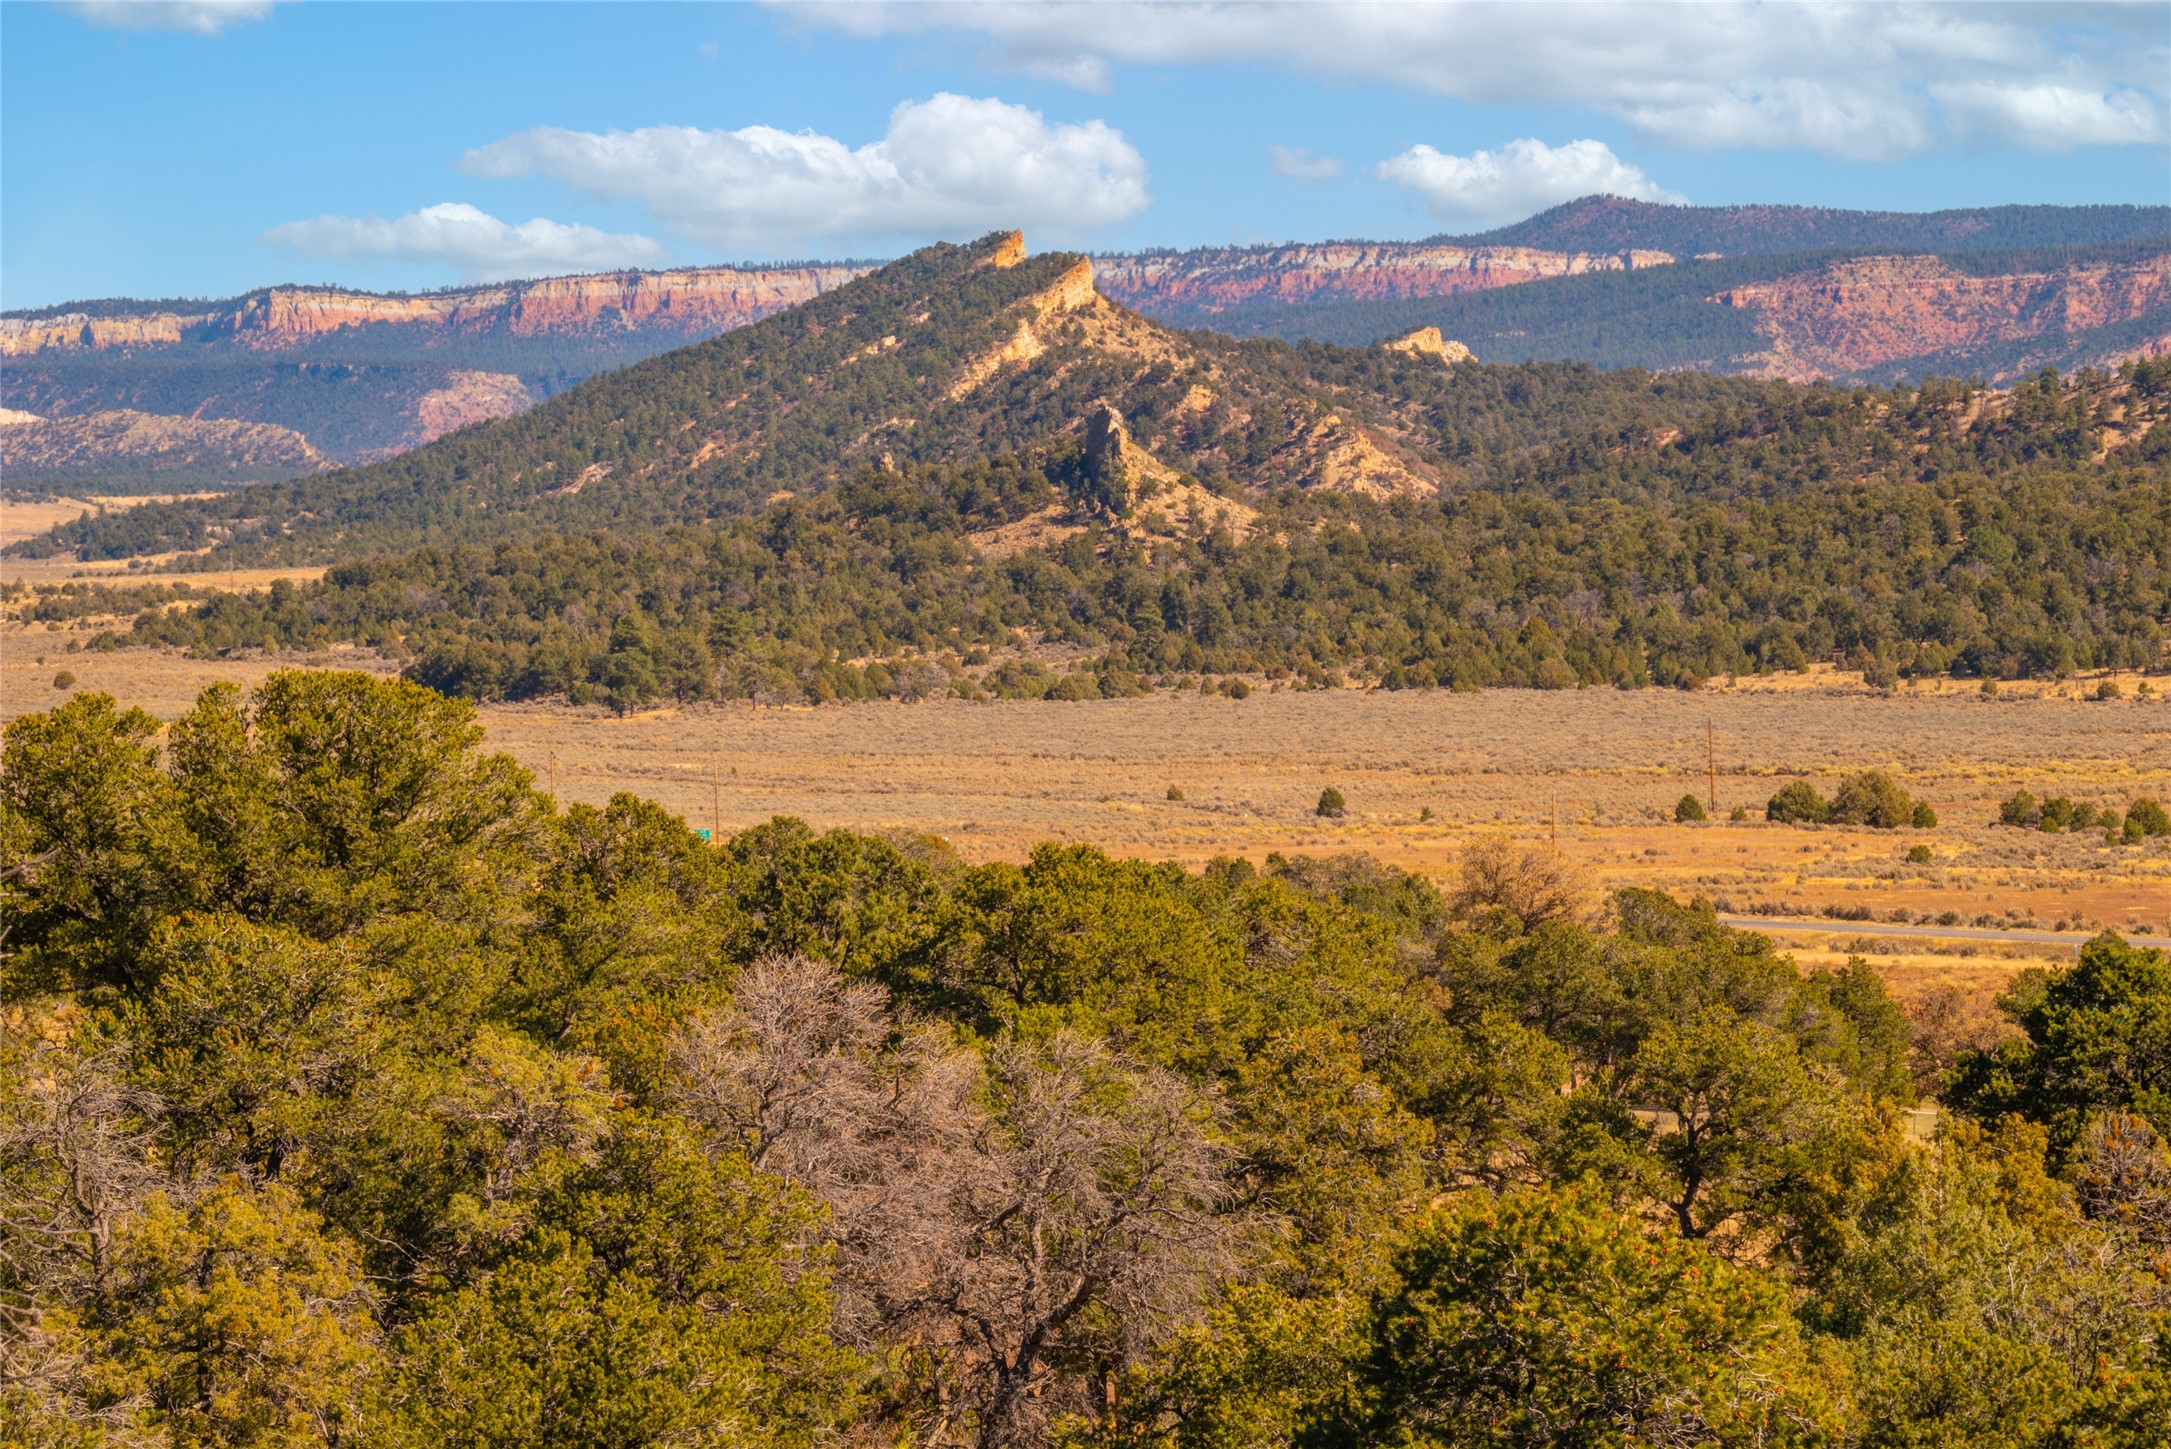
[(352, 1091), (952, 354), (1598, 528), (1613, 223)]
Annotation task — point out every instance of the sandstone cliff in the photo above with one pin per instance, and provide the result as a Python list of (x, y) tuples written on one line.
[(1856, 314), (1214, 280), (689, 303)]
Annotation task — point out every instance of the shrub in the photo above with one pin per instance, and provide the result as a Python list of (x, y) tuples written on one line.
[(1925, 817), (1919, 855), (2021, 810), (64, 680), (1687, 809), (1798, 804), (1238, 689), (1990, 689), (2151, 817), (1175, 792), (2109, 689), (1738, 814), (1331, 803), (1872, 798), (2055, 816)]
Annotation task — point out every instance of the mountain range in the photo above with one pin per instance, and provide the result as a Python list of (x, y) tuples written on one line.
[(971, 471), (1761, 291)]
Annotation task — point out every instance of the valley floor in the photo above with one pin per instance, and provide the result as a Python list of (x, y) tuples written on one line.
[(1596, 771)]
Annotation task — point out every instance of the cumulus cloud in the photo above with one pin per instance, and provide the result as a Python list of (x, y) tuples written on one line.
[(201, 17), (1298, 164), (1520, 178), (1864, 81), (947, 166), (477, 244)]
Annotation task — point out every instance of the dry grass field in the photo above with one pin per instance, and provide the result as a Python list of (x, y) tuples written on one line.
[(1595, 772), (26, 518)]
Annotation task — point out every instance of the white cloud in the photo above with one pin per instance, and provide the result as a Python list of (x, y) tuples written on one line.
[(1520, 178), (480, 246), (1865, 81), (1298, 164), (202, 17), (2049, 116), (947, 166)]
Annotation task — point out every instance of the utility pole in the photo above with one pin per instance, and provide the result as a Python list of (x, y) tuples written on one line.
[(716, 806), (1711, 762), (554, 779)]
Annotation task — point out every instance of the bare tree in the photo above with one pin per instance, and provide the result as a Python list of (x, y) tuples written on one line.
[(2124, 1176), (1943, 1024), (75, 1160), (1527, 887), (1102, 1194), (1020, 1229)]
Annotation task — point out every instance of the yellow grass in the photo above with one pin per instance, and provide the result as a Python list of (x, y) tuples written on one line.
[(1595, 772)]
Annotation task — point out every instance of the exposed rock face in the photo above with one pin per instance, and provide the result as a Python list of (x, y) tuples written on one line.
[(1024, 345), (1146, 497), (1427, 342), (1349, 460), (1073, 291), (143, 445), (1862, 312), (1214, 280), (692, 302), (468, 397)]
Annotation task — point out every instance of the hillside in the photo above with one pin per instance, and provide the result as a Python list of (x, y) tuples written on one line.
[(131, 452), (1599, 528), (951, 354)]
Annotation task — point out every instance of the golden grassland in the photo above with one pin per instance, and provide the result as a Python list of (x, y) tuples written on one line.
[(1595, 772)]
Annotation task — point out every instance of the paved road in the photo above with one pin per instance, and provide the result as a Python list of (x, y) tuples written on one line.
[(2074, 939)]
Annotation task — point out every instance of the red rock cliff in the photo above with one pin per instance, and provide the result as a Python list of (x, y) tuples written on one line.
[(1867, 311), (692, 302), (1214, 280)]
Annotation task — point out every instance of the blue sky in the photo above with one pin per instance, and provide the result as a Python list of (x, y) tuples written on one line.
[(201, 149)]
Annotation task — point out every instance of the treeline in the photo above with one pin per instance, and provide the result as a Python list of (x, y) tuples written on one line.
[(877, 587), (352, 1092)]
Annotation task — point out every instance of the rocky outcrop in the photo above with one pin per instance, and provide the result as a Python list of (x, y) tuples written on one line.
[(1143, 496), (1427, 342), (1217, 279), (469, 397), (1860, 313), (1347, 459)]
